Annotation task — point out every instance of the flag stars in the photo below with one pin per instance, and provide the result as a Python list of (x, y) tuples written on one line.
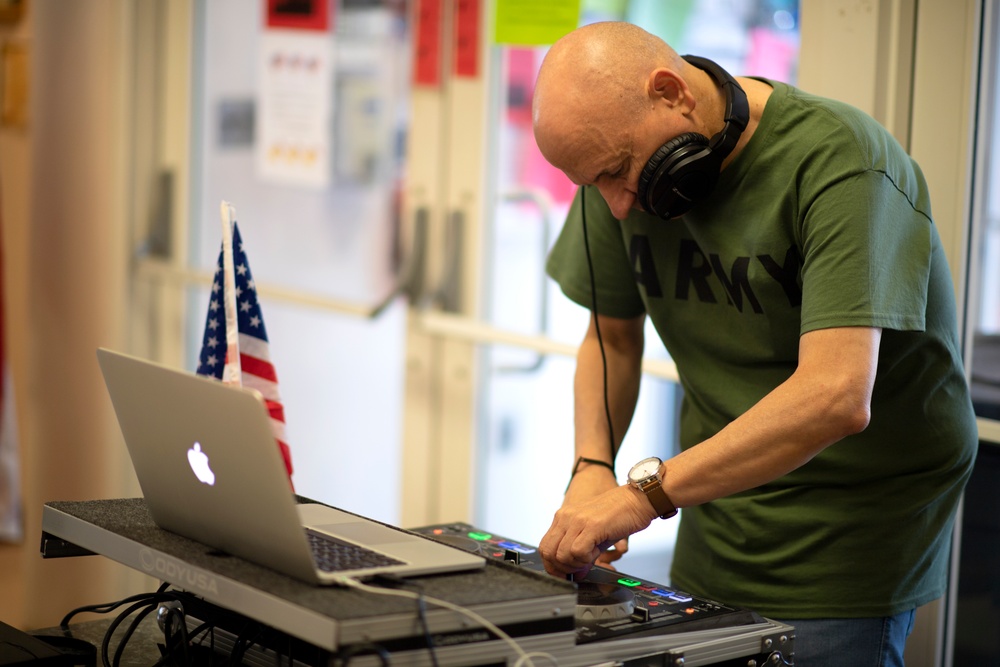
[(241, 269), (213, 324), (214, 305), (245, 306), (255, 322), (211, 341)]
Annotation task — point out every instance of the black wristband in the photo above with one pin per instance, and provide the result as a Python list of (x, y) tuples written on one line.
[(584, 459)]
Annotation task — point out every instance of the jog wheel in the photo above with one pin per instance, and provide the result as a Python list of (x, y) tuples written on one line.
[(596, 602)]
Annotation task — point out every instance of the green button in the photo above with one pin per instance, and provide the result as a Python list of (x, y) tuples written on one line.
[(480, 536), (629, 582)]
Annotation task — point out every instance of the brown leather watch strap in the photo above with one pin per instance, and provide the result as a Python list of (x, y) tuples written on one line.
[(659, 499)]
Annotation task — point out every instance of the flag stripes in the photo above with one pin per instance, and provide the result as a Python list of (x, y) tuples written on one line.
[(243, 358)]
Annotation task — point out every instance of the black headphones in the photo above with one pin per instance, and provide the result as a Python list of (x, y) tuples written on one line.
[(683, 171)]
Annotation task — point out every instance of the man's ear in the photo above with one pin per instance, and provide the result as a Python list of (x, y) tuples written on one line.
[(667, 85)]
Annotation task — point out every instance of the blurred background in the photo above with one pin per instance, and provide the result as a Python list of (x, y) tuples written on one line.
[(396, 214)]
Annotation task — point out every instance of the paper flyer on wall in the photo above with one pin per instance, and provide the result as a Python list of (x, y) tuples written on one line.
[(295, 102)]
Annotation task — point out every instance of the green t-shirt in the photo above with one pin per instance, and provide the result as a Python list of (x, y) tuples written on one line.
[(821, 221)]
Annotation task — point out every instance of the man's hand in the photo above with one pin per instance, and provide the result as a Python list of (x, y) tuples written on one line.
[(583, 531), (589, 482)]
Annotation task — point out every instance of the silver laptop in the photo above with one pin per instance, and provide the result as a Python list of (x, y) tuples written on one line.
[(210, 470)]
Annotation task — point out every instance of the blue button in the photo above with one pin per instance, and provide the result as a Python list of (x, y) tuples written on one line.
[(520, 548), (680, 597), (662, 593)]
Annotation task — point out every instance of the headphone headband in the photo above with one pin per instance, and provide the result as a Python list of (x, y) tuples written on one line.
[(737, 113)]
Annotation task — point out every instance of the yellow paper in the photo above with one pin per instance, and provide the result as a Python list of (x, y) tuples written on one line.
[(534, 23)]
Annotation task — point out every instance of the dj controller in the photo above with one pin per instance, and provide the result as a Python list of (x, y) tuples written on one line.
[(610, 605), (498, 615)]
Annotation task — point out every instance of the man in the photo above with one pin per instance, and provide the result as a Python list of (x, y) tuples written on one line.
[(826, 428)]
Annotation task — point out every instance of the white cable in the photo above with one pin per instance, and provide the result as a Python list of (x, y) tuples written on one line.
[(524, 658)]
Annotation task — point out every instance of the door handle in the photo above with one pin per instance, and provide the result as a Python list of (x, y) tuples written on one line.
[(449, 292), (410, 282)]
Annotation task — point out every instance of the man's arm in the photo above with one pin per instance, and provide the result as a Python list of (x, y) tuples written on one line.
[(623, 346), (827, 398)]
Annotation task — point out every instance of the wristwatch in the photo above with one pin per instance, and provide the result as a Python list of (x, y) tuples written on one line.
[(645, 476)]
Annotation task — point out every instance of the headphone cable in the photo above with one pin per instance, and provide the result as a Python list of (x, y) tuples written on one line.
[(597, 326)]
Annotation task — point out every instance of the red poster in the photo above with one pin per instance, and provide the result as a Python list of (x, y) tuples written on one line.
[(427, 44), (299, 14), (467, 37)]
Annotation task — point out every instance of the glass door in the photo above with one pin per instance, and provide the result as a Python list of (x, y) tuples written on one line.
[(984, 260), (954, 60), (298, 119), (977, 604), (319, 234)]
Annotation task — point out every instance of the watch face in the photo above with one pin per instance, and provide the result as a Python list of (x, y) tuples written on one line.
[(644, 468)]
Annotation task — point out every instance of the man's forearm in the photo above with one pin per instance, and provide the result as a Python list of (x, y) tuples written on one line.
[(593, 437), (825, 400)]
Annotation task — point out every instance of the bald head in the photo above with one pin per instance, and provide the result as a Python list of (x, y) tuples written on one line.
[(593, 76), (615, 57)]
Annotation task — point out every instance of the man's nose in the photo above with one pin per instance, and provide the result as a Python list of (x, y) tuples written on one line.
[(619, 199)]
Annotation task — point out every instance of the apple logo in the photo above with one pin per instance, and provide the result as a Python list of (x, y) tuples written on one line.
[(199, 464)]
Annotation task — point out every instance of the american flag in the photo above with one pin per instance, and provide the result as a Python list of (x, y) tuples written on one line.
[(240, 354)]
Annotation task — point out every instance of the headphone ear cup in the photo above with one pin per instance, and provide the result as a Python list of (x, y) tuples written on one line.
[(666, 187)]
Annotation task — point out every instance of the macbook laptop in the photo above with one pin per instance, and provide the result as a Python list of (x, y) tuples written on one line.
[(210, 470)]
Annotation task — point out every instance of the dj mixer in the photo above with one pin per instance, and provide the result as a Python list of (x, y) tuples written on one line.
[(610, 605)]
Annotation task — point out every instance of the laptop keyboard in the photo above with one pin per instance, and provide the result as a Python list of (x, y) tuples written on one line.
[(333, 555)]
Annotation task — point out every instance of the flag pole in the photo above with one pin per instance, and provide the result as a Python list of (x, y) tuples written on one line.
[(232, 374)]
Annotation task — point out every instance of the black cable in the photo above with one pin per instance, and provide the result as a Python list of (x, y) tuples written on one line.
[(236, 653), (422, 608), (172, 642), (244, 642), (107, 607), (277, 653), (183, 639), (207, 625), (357, 649), (129, 632), (106, 642), (597, 326), (398, 582), (146, 602)]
